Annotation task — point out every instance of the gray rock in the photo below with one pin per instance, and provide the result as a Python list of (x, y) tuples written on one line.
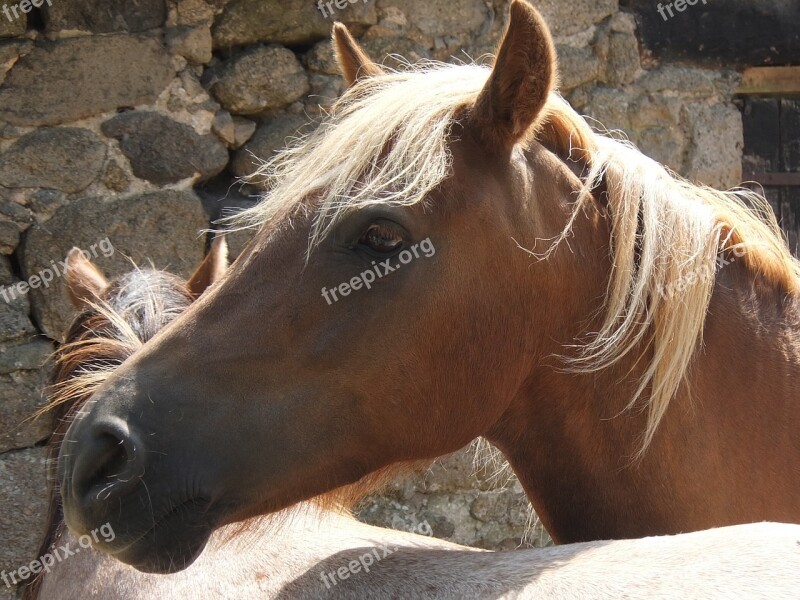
[(194, 12), (162, 226), (507, 505), (223, 127), (15, 26), (622, 45), (14, 219), (664, 144), (652, 121), (461, 503), (576, 66), (27, 355), (243, 130), (321, 59), (6, 271), (252, 21), (79, 77), (260, 79), (164, 151), (441, 18), (325, 90), (66, 159), (451, 474), (115, 177), (45, 202), (16, 212), (717, 140), (9, 236), (290, 22), (387, 50), (238, 241), (102, 16), (10, 53), (568, 18), (9, 593), (14, 310), (234, 131), (609, 107), (193, 43), (656, 110), (693, 82), (20, 398), (23, 496), (356, 14), (655, 122), (269, 137)]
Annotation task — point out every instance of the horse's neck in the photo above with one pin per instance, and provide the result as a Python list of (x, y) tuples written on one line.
[(726, 451)]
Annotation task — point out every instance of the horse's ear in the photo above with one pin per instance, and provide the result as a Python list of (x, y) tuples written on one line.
[(523, 77), (353, 61), (211, 269), (85, 282)]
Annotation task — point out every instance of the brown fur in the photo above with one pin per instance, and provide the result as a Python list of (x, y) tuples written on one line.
[(212, 269), (353, 62), (523, 78), (85, 279)]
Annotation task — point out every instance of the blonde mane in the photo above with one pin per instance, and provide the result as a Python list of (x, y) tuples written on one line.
[(668, 235), (386, 142)]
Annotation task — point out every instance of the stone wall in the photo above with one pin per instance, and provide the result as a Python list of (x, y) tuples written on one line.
[(131, 120)]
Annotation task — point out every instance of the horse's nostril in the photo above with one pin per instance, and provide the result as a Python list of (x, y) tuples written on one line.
[(110, 465)]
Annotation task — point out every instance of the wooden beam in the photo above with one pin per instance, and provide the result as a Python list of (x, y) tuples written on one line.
[(770, 81)]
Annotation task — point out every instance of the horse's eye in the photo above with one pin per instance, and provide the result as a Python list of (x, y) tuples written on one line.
[(381, 238)]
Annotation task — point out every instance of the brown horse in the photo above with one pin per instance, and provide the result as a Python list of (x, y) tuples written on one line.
[(115, 319), (568, 309), (302, 557)]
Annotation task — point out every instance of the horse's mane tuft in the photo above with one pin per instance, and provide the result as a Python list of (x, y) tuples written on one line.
[(110, 329), (385, 142), (668, 235)]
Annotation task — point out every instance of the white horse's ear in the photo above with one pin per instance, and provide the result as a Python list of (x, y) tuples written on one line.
[(521, 81), (353, 61), (85, 282), (211, 269)]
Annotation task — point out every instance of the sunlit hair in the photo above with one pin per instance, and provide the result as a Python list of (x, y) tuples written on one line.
[(386, 142), (667, 235), (110, 329)]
